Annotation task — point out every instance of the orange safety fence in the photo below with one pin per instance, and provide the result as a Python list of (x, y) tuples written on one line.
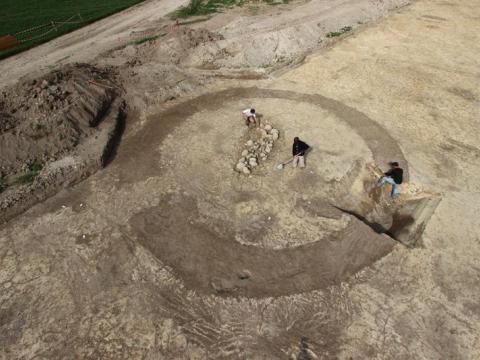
[(7, 42), (36, 32)]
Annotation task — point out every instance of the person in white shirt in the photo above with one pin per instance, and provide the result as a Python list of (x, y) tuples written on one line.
[(250, 117)]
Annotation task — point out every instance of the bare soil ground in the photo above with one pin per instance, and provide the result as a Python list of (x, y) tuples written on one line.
[(170, 253)]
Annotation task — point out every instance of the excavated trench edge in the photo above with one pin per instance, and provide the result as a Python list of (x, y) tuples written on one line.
[(113, 120)]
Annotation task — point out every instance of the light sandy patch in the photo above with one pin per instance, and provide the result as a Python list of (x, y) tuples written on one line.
[(200, 156)]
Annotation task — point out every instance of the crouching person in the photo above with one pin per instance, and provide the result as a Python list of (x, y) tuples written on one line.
[(393, 177), (250, 117)]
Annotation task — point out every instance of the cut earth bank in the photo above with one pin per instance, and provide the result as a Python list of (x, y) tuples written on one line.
[(169, 253)]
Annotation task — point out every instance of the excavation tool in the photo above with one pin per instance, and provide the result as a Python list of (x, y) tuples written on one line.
[(376, 171), (282, 165)]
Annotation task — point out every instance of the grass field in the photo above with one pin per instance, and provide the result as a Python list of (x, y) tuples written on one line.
[(19, 15)]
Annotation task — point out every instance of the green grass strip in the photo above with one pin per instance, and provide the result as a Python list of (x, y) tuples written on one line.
[(19, 15)]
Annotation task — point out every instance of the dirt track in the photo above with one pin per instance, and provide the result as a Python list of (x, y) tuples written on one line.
[(168, 253), (86, 43)]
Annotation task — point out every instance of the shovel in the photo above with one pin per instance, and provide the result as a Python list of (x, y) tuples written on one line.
[(282, 165), (376, 171)]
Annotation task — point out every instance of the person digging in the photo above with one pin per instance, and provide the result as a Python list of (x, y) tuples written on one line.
[(298, 151), (250, 117), (393, 177)]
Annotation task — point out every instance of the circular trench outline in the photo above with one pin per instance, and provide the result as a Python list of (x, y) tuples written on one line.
[(215, 263)]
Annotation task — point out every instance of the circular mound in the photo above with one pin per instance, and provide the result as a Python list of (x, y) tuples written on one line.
[(270, 208), (273, 232)]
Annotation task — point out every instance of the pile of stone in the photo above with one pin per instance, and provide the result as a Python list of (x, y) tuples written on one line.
[(257, 150)]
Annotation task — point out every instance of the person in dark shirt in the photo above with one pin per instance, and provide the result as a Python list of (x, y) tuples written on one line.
[(298, 151), (394, 177)]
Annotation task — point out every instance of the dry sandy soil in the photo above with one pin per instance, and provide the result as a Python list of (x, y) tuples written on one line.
[(169, 253)]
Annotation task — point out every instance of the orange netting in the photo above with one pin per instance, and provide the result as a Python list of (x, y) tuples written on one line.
[(7, 42)]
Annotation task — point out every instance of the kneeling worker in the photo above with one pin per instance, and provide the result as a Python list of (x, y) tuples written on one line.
[(394, 177), (250, 117), (298, 151)]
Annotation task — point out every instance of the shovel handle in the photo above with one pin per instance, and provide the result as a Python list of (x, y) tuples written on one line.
[(376, 171), (288, 161)]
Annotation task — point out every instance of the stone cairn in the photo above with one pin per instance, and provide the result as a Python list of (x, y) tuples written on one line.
[(257, 150)]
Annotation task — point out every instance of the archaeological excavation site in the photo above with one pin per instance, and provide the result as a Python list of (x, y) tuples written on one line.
[(242, 180)]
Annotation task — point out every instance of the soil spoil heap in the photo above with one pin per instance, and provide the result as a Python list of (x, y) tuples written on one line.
[(53, 130)]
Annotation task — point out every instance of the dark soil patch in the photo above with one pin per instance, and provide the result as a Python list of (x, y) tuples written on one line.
[(54, 131), (211, 261), (44, 119)]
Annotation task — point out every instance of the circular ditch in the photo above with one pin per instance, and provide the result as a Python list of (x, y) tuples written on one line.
[(276, 232)]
